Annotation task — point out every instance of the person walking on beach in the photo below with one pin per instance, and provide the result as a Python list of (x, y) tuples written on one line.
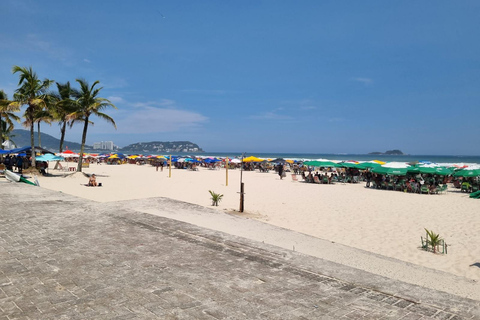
[(280, 170)]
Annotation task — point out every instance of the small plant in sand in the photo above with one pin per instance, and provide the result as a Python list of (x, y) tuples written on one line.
[(216, 198), (433, 239)]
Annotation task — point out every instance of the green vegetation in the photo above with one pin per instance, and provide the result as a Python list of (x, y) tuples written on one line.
[(67, 106), (433, 239), (88, 103), (216, 198), (7, 116)]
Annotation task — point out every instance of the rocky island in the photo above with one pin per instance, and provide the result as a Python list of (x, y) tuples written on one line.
[(389, 153), (162, 147)]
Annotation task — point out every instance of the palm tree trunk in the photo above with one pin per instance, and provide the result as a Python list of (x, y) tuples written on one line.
[(32, 135), (84, 139), (39, 136), (1, 133), (62, 136)]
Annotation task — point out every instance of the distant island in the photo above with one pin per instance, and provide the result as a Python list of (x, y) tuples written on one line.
[(162, 147), (389, 153)]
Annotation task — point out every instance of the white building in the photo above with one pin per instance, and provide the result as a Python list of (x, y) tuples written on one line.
[(103, 145)]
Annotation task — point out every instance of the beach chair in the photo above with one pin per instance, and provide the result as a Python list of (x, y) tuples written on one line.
[(465, 187), (316, 180), (294, 177), (325, 180), (424, 189), (424, 243), (442, 189)]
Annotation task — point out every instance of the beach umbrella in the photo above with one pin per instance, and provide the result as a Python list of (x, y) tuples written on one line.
[(278, 160), (236, 161), (353, 165), (326, 164), (49, 157), (370, 164), (430, 170), (396, 165), (390, 171), (467, 173), (252, 159)]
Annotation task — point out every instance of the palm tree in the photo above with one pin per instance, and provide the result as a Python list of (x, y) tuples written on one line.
[(89, 103), (63, 106), (32, 93), (6, 131), (6, 116), (42, 115)]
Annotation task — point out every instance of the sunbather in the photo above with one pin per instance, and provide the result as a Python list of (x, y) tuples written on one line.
[(92, 182)]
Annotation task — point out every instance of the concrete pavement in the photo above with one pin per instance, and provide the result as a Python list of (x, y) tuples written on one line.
[(63, 257)]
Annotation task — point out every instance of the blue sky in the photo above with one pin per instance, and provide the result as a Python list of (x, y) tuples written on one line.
[(262, 76)]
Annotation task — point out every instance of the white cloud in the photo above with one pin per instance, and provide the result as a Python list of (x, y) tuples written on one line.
[(202, 91), (162, 103), (114, 99), (151, 119), (365, 81), (270, 116), (86, 60)]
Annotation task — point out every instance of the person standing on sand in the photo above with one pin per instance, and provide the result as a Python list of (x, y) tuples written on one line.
[(280, 170)]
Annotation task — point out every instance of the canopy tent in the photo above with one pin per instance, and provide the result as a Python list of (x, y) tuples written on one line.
[(24, 150)]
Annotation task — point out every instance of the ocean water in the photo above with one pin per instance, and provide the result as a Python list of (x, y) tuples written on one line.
[(441, 159)]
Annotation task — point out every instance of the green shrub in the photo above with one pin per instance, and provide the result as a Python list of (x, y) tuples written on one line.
[(216, 198)]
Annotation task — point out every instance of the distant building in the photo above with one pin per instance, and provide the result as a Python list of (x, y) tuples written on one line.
[(103, 145)]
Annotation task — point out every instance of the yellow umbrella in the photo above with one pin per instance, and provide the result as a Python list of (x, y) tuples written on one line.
[(379, 162), (133, 157), (252, 159), (289, 161), (161, 157), (113, 157)]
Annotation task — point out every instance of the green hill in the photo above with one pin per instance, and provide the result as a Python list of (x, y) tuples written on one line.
[(22, 139)]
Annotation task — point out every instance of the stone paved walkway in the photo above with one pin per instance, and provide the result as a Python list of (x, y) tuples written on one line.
[(63, 257)]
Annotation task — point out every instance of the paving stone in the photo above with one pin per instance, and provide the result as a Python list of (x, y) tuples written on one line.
[(70, 258)]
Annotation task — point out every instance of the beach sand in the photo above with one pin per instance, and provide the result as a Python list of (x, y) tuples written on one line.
[(387, 223)]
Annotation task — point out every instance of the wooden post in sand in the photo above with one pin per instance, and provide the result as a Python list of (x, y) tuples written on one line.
[(241, 186), (226, 171), (170, 166)]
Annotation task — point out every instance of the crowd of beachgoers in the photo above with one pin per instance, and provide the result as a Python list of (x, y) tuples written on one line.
[(418, 177)]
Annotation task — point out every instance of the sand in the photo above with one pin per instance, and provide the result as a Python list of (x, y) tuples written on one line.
[(387, 223)]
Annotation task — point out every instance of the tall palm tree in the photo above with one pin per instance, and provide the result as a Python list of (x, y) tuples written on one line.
[(6, 116), (42, 115), (6, 131), (63, 106), (89, 103), (32, 92)]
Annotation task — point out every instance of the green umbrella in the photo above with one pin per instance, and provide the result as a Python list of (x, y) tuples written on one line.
[(390, 171), (467, 173), (431, 170), (325, 164), (370, 164)]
